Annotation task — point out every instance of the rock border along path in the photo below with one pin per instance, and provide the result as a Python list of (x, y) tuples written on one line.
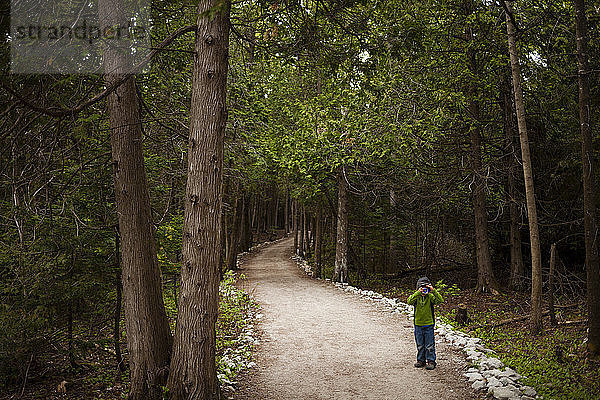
[(488, 373)]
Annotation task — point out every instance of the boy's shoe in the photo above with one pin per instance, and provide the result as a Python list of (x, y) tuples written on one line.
[(430, 365), (420, 364)]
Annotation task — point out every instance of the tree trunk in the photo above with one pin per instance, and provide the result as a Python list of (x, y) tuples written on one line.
[(340, 273), (226, 240), (265, 215), (118, 302), (517, 270), (286, 214), (234, 240), (393, 246), (295, 225), (148, 334), (254, 212), (243, 243), (551, 284), (248, 239), (313, 228), (275, 211), (301, 239), (486, 282), (318, 243), (534, 236), (193, 372), (592, 263), (305, 233)]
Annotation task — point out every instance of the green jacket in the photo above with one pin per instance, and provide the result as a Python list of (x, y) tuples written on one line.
[(424, 306)]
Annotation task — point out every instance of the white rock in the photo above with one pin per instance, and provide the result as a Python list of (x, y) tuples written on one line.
[(473, 376), (493, 382), (515, 389), (502, 393), (510, 373), (529, 391), (491, 372), (506, 381), (492, 363), (478, 385)]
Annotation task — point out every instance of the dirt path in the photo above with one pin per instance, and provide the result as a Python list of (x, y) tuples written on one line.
[(321, 343)]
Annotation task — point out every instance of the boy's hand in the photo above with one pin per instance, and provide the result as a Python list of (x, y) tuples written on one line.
[(430, 287)]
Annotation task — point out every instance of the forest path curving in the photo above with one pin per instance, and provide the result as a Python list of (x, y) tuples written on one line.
[(319, 342)]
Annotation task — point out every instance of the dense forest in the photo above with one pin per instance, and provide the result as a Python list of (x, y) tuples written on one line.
[(452, 138)]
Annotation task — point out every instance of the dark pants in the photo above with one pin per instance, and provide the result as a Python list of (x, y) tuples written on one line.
[(424, 337)]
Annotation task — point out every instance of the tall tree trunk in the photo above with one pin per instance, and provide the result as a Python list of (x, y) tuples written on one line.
[(148, 335), (486, 282), (243, 243), (226, 240), (254, 212), (313, 228), (265, 215), (592, 263), (340, 273), (551, 284), (318, 242), (295, 225), (393, 255), (517, 270), (305, 232), (234, 240), (118, 302), (193, 372), (275, 211), (534, 236), (286, 214), (301, 239)]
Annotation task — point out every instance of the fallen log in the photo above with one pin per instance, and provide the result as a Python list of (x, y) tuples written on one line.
[(507, 321), (523, 318), (574, 322), (567, 305)]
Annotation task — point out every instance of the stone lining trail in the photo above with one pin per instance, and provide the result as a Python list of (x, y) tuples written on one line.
[(319, 342)]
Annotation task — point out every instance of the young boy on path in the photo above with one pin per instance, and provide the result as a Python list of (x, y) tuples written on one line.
[(423, 300)]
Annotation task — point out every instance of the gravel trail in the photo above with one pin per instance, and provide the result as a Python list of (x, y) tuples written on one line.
[(319, 342)]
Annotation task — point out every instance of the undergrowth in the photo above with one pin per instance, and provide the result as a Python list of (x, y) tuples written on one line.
[(235, 329)]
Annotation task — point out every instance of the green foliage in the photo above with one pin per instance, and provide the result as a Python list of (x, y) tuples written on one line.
[(234, 328), (551, 363), (446, 290)]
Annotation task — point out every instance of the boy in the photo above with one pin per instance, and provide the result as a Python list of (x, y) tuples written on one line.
[(423, 300)]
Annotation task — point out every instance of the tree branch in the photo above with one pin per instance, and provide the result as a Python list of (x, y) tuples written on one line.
[(61, 112)]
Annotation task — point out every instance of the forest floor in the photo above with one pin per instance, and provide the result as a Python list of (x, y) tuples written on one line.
[(321, 343)]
